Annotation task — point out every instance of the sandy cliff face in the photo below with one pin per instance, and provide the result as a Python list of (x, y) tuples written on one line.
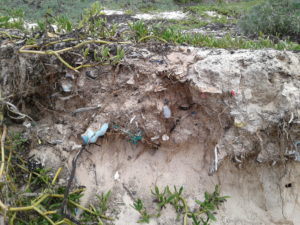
[(235, 121)]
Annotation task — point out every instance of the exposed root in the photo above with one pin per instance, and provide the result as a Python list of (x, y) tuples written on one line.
[(26, 49), (13, 109), (67, 191)]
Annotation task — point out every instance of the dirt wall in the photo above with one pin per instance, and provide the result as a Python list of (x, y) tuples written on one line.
[(233, 120)]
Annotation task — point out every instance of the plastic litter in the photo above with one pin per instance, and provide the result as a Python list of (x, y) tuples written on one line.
[(69, 76), (165, 137), (91, 136), (295, 153), (26, 124), (167, 112), (232, 93), (91, 74), (117, 176), (131, 81), (134, 139), (67, 87), (155, 138)]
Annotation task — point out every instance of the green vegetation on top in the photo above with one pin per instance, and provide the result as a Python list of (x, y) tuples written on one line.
[(188, 1), (35, 10), (142, 32), (273, 17), (232, 9), (97, 27)]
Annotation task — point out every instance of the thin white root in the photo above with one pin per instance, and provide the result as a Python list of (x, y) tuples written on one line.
[(216, 158), (292, 118), (237, 160)]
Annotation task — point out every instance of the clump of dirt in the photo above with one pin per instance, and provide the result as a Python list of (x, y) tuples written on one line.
[(177, 116)]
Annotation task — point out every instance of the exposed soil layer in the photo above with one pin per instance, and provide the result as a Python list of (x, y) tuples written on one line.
[(234, 122)]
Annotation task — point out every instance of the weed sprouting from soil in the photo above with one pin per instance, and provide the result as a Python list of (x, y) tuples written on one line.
[(144, 216), (31, 195), (201, 215)]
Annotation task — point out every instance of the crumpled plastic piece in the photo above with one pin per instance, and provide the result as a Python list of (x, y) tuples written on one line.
[(91, 136), (135, 139), (295, 153), (167, 112)]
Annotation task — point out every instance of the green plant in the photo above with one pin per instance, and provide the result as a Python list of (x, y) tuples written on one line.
[(201, 216), (273, 17), (99, 209), (187, 1), (119, 56), (63, 23), (41, 25), (208, 207), (29, 193), (89, 13), (85, 52), (103, 202), (162, 198), (14, 19), (230, 9), (144, 216), (139, 29)]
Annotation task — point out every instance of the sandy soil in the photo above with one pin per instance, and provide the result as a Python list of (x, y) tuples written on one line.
[(258, 193)]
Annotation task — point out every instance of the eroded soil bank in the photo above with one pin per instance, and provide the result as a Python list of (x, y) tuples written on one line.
[(234, 122)]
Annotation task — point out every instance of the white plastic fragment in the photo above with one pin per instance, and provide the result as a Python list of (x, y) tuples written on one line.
[(216, 158), (91, 136), (67, 87), (167, 112), (132, 119), (131, 81), (117, 176), (27, 124), (69, 75), (292, 118), (165, 137), (155, 138)]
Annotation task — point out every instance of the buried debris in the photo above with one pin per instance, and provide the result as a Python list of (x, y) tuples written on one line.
[(91, 136), (295, 153)]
